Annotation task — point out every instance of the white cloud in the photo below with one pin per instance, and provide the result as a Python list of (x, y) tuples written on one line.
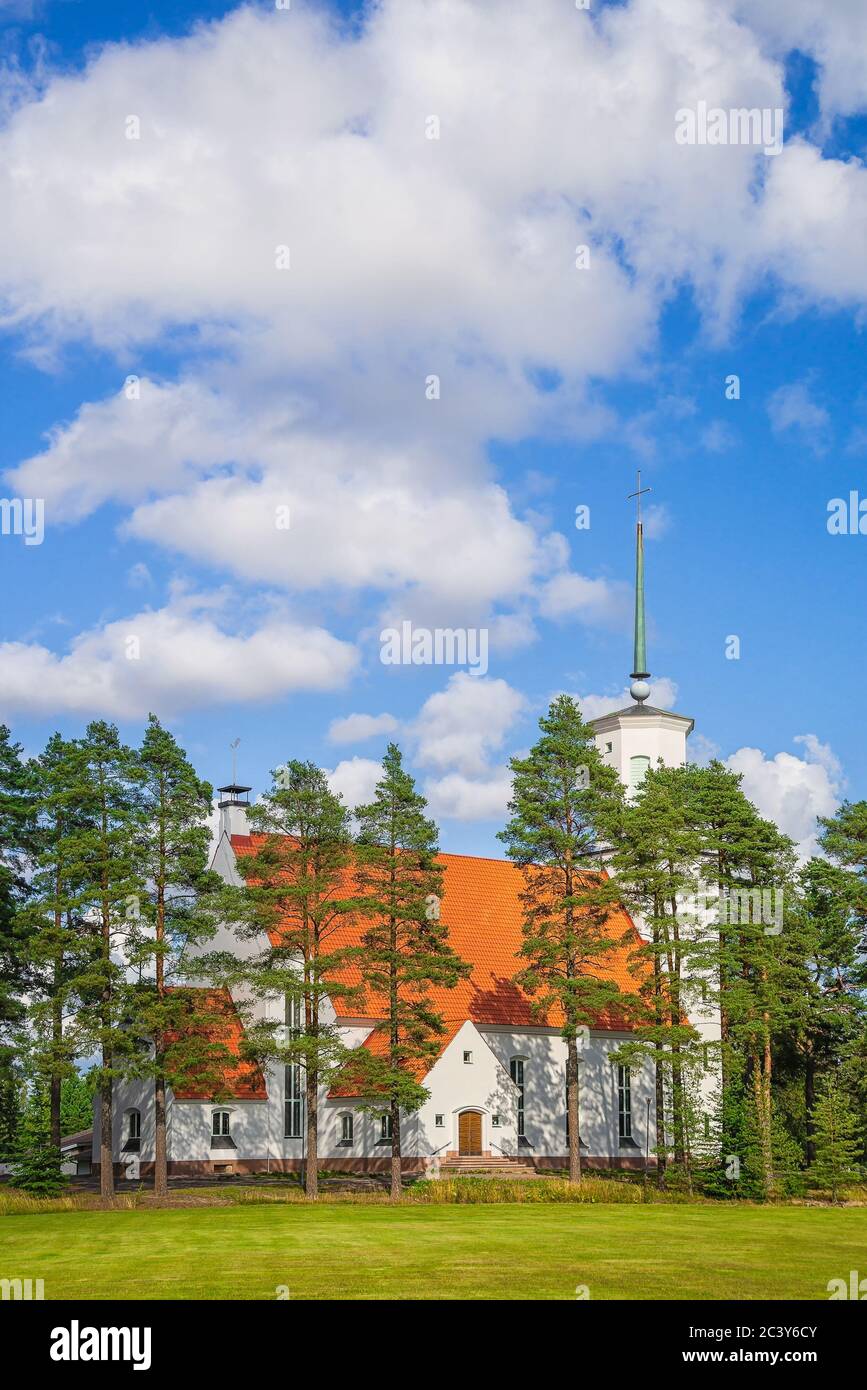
[(657, 521), (792, 791), (409, 258), (835, 35), (824, 755), (570, 595), (354, 728), (458, 728), (412, 256), (456, 733), (355, 780), (178, 657), (457, 797), (138, 576), (717, 437), (702, 750), (129, 448), (792, 407)]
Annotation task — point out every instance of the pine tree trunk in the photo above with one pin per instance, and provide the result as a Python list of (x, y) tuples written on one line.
[(763, 1123), (311, 1171), (106, 1159), (161, 1174), (677, 1107), (161, 1180), (809, 1100), (396, 1178), (660, 1124), (767, 1064), (573, 1110), (56, 1085), (659, 1075)]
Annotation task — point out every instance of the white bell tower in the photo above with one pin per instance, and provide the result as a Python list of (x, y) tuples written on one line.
[(637, 737)]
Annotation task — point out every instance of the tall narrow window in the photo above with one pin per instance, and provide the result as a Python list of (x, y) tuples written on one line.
[(517, 1070), (637, 768), (385, 1129), (132, 1141), (293, 1015), (292, 1102), (220, 1124), (624, 1103), (347, 1129)]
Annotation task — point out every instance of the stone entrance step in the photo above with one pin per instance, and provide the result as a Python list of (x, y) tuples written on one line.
[(481, 1165)]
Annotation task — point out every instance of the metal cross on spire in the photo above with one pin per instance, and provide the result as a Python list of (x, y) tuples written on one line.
[(638, 494)]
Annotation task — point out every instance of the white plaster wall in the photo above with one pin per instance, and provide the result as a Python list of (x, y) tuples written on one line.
[(456, 1085), (545, 1093), (190, 1130), (484, 1084), (127, 1095), (652, 736)]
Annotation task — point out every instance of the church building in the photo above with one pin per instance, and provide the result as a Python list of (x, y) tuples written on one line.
[(497, 1088)]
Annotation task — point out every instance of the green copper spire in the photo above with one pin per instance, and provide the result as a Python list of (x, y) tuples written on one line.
[(639, 660), (639, 690)]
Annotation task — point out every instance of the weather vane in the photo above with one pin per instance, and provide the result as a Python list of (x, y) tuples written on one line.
[(638, 495), (234, 747)]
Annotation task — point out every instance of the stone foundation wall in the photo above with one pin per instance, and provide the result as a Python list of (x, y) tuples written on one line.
[(409, 1164)]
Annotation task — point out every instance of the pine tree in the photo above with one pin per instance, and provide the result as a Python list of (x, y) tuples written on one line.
[(837, 1138), (296, 900), (12, 1086), (16, 819), (563, 797), (824, 985), (844, 837), (657, 858), (36, 1159), (61, 943), (112, 891), (76, 1103), (172, 849), (405, 951)]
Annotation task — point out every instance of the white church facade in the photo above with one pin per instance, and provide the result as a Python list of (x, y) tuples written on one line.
[(497, 1088)]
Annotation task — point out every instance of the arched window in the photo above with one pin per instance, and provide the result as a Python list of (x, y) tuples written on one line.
[(637, 768), (132, 1139), (347, 1128), (221, 1132), (516, 1068)]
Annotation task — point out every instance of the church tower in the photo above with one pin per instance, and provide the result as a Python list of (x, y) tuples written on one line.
[(639, 736)]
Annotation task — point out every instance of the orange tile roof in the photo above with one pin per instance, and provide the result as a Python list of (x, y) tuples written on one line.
[(224, 1029), (481, 907), (377, 1044)]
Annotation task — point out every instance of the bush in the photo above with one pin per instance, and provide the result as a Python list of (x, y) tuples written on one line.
[(36, 1166), (478, 1190)]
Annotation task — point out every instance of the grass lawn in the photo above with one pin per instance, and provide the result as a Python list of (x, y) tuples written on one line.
[(449, 1252)]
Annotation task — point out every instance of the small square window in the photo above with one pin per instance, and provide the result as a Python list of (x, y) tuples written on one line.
[(608, 747), (468, 1057), (439, 1121), (495, 1121)]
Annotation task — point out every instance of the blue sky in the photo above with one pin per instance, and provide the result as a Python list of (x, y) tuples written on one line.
[(553, 394)]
